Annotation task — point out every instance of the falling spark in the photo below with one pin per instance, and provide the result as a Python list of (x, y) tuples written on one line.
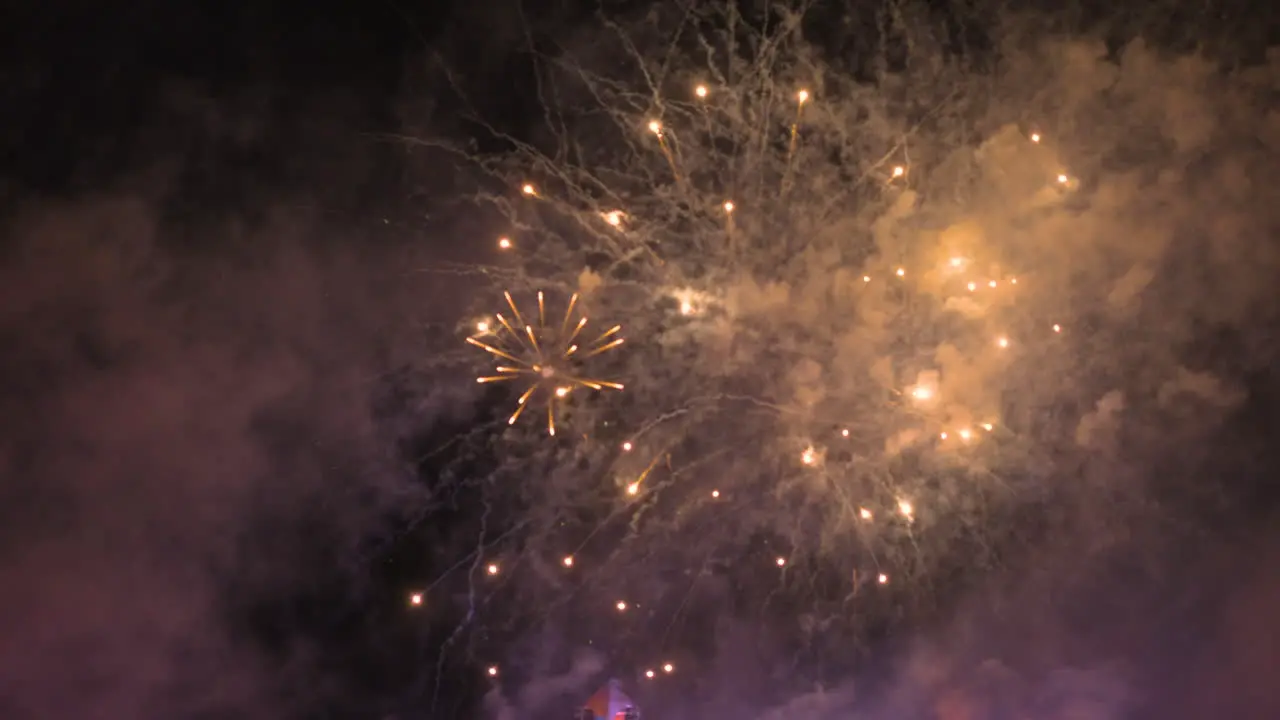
[(715, 493), (626, 446), (415, 599), (943, 435), (781, 561), (1057, 328), (900, 272), (802, 97), (529, 189), (728, 206), (700, 91), (568, 561), (648, 673), (972, 286), (809, 456), (655, 127), (613, 217), (1062, 178), (905, 508), (921, 392), (844, 432), (991, 284), (668, 667), (622, 606), (633, 488), (866, 278), (965, 434), (482, 327), (883, 579), (957, 262), (493, 671), (864, 513), (899, 171), (987, 426), (1035, 137), (492, 569), (1002, 342), (686, 308), (504, 243), (545, 356)]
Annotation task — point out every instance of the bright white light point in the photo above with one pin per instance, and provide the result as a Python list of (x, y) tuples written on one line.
[(1013, 281), (493, 671), (802, 97), (1035, 137), (905, 508), (1062, 178), (991, 284), (686, 308), (568, 561), (883, 579), (1057, 327), (562, 391), (648, 673), (626, 447), (942, 435), (781, 561), (700, 91), (621, 606), (528, 189), (900, 272), (633, 488), (504, 243), (415, 599), (613, 217), (844, 433), (864, 513), (866, 278), (728, 206), (715, 493), (1002, 342), (655, 127), (972, 286), (957, 262), (987, 426), (809, 456), (668, 667), (921, 393), (492, 569), (899, 171), (965, 434), (482, 326)]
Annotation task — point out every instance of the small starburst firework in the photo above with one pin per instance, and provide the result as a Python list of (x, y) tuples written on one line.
[(549, 357)]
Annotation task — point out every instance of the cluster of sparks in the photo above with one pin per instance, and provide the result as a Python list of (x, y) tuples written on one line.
[(546, 357)]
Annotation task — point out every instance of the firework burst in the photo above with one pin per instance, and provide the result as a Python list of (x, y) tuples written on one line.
[(548, 357)]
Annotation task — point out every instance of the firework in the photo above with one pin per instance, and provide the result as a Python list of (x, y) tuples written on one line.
[(549, 357)]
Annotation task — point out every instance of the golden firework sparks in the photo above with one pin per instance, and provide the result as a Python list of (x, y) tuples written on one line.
[(549, 357)]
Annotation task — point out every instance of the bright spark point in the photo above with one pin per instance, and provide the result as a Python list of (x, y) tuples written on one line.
[(965, 434), (809, 456), (802, 97), (415, 599), (504, 243), (781, 561), (957, 262), (991, 284), (568, 561), (1035, 137), (844, 432), (1013, 281), (942, 435), (492, 569), (622, 606), (542, 353), (613, 217), (899, 171), (1002, 342), (728, 206), (972, 286), (866, 278), (529, 189), (987, 426), (1062, 179), (883, 579), (905, 508), (493, 671), (626, 447), (633, 488), (921, 392), (686, 308), (700, 91), (864, 513), (668, 667), (1057, 328), (648, 673), (715, 493), (482, 326), (655, 127), (900, 272)]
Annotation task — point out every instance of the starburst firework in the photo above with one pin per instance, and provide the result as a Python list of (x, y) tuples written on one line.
[(548, 357)]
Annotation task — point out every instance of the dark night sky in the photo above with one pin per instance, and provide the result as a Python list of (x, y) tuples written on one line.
[(213, 325)]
